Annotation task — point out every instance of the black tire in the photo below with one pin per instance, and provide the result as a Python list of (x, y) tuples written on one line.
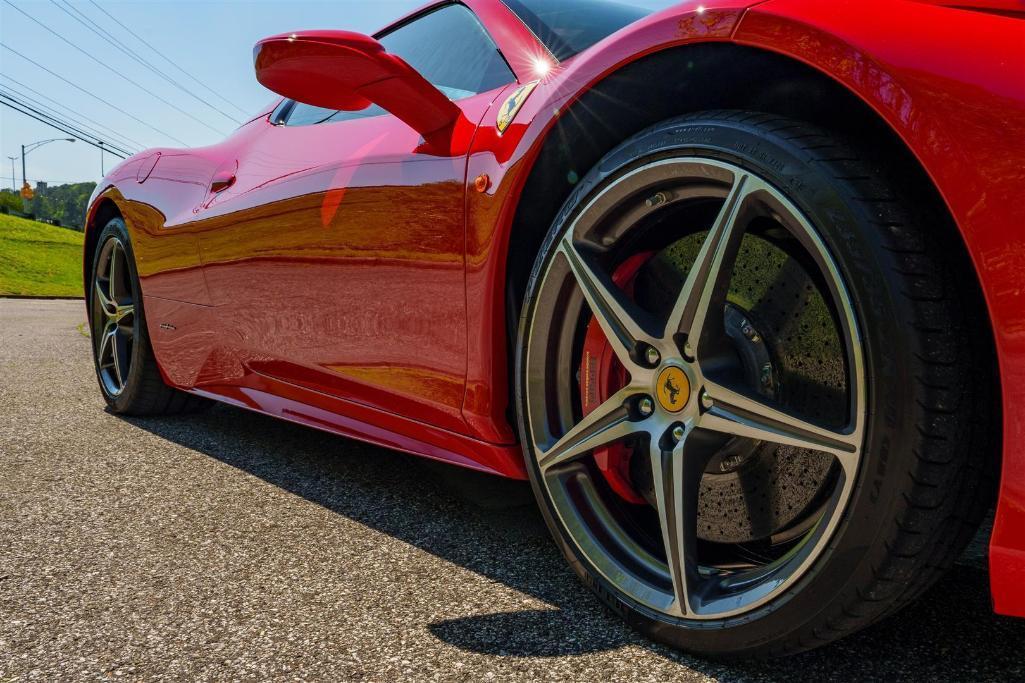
[(141, 391), (923, 482)]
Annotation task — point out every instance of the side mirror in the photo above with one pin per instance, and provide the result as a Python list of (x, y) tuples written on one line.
[(343, 70)]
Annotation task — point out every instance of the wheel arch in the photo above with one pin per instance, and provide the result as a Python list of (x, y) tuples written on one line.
[(718, 75), (101, 211), (641, 93)]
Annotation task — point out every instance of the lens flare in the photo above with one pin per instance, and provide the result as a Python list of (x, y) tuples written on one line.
[(542, 67)]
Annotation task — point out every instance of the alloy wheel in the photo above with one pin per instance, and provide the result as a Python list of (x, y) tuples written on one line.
[(113, 316), (686, 403)]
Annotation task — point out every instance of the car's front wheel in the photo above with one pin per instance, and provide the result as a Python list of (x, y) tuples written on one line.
[(750, 407), (125, 366)]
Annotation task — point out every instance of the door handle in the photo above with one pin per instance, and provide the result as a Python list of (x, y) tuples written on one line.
[(222, 181)]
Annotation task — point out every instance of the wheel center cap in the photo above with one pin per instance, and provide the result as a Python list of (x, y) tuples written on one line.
[(672, 389)]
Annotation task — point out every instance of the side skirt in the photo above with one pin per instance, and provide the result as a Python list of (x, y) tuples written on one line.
[(346, 418)]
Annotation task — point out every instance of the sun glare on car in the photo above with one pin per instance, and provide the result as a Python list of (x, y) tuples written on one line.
[(542, 67)]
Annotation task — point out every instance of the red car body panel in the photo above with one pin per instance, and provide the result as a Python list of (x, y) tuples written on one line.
[(312, 287)]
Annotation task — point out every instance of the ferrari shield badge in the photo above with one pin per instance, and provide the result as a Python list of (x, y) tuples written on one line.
[(511, 107)]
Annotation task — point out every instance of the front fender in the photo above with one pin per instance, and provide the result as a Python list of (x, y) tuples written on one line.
[(507, 159)]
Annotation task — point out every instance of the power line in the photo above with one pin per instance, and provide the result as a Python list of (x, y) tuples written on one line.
[(92, 95), (62, 126), (105, 35), (55, 123), (80, 115), (170, 61), (62, 120), (66, 132), (57, 117), (113, 70), (118, 138)]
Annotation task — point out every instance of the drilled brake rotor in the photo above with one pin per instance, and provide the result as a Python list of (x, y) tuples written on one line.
[(780, 328)]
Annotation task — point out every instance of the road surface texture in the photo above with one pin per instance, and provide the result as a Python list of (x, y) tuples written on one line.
[(232, 546)]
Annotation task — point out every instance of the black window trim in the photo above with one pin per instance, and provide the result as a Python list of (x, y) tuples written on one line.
[(557, 46), (550, 49), (430, 9)]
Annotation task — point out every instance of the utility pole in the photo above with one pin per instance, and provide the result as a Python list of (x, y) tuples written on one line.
[(13, 159), (102, 172), (25, 149)]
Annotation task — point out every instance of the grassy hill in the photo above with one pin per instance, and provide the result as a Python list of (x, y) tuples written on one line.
[(39, 259)]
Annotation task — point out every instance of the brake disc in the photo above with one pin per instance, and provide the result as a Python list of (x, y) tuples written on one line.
[(790, 349)]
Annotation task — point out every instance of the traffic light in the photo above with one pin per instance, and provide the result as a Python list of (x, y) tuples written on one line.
[(26, 192)]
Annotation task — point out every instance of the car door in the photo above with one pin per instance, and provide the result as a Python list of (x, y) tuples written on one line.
[(336, 254)]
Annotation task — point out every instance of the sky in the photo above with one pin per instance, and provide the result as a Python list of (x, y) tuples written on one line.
[(210, 42)]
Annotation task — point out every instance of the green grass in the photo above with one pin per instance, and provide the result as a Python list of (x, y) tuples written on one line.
[(37, 259)]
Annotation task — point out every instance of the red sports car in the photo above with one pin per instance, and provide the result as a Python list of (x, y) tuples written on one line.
[(739, 286)]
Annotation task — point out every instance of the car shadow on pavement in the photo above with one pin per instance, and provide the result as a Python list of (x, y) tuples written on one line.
[(949, 634)]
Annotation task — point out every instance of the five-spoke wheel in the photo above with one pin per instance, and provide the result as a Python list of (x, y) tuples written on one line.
[(682, 403), (113, 312)]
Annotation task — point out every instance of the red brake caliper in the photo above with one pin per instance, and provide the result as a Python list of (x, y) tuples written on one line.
[(601, 375)]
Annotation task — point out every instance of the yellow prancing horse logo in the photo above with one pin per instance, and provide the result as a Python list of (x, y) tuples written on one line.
[(511, 107), (673, 389)]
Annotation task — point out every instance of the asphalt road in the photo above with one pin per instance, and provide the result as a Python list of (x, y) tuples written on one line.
[(232, 546)]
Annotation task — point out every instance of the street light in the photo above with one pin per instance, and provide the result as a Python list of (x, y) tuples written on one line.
[(25, 149), (13, 185)]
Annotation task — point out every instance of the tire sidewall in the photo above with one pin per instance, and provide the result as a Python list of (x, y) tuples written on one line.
[(867, 270)]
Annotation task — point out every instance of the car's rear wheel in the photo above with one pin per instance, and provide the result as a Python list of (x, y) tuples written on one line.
[(736, 367), (125, 366)]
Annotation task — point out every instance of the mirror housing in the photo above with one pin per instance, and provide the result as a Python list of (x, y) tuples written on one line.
[(348, 71)]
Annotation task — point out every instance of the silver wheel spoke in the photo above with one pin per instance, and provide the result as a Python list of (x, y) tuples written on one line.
[(109, 307), (738, 415), (607, 423), (112, 274), (116, 351), (609, 305), (106, 348), (677, 483), (691, 308)]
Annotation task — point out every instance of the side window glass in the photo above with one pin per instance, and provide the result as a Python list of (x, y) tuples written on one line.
[(305, 115), (448, 46)]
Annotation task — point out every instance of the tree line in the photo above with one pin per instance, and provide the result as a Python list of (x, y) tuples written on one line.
[(63, 205)]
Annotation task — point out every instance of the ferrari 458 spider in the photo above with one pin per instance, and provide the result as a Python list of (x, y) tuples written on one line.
[(739, 286)]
